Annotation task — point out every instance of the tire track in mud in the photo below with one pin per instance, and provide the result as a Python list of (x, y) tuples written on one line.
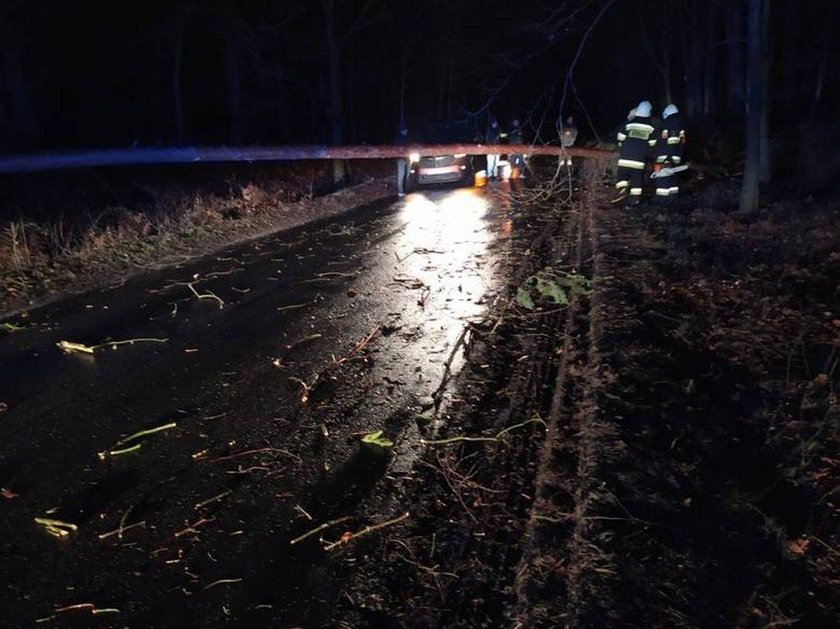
[(545, 578)]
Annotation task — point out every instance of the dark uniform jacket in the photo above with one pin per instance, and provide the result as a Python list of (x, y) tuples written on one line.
[(671, 141), (636, 139)]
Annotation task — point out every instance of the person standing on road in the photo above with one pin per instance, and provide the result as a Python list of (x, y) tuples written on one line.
[(401, 139), (568, 136), (669, 151), (635, 140), (492, 137), (517, 160)]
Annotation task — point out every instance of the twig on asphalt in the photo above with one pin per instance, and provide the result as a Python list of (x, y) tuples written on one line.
[(71, 346), (294, 306), (122, 530), (115, 450), (56, 528), (359, 347), (222, 581), (208, 295), (222, 495), (318, 529), (303, 511), (348, 536), (236, 455), (192, 528), (496, 438), (93, 609), (305, 339)]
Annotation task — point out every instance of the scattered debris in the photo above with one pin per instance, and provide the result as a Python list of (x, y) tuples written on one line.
[(119, 532), (93, 609), (9, 327), (209, 501), (116, 449), (192, 529), (221, 582), (349, 536), (494, 439), (56, 528), (318, 529), (69, 347)]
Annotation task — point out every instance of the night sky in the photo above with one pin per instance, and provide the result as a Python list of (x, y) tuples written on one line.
[(93, 73)]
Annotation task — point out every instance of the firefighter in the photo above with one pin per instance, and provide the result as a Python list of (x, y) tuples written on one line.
[(568, 136), (636, 140), (669, 151), (401, 139)]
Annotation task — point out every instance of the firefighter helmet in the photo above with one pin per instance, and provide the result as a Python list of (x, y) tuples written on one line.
[(670, 110), (643, 109)]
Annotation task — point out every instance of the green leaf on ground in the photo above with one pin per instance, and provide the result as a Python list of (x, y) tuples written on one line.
[(375, 438), (524, 299), (552, 290)]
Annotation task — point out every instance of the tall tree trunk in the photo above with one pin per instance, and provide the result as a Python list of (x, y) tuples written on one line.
[(765, 165), (790, 53), (755, 93), (823, 48), (336, 105), (735, 58)]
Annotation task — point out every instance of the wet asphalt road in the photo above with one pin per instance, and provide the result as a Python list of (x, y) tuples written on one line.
[(206, 525)]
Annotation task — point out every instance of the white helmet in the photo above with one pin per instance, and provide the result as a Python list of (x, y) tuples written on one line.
[(631, 114), (670, 110), (643, 109)]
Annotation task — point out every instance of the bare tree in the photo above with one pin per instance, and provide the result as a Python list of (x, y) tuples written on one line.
[(734, 23), (756, 33)]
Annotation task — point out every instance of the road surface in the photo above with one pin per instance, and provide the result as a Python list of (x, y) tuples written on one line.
[(258, 371)]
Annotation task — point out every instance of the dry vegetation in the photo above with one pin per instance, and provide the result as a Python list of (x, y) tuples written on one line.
[(72, 231)]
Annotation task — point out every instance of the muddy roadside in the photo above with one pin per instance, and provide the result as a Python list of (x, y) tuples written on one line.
[(66, 233), (660, 451)]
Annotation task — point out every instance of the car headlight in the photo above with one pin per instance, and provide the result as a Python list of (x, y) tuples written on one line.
[(413, 157)]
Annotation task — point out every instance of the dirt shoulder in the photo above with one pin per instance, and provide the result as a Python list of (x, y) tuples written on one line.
[(144, 222), (660, 451)]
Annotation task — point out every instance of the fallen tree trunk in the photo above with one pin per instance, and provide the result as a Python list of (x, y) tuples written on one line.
[(187, 155)]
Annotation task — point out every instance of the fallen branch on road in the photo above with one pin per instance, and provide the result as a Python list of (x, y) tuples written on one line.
[(495, 439), (348, 536), (115, 450), (318, 529), (69, 347)]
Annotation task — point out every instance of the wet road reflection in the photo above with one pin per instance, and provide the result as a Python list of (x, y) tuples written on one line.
[(406, 277), (444, 247)]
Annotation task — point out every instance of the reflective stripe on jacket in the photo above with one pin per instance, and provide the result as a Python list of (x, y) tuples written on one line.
[(636, 138)]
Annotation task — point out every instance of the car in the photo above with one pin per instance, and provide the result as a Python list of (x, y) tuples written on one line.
[(429, 169), (442, 169)]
